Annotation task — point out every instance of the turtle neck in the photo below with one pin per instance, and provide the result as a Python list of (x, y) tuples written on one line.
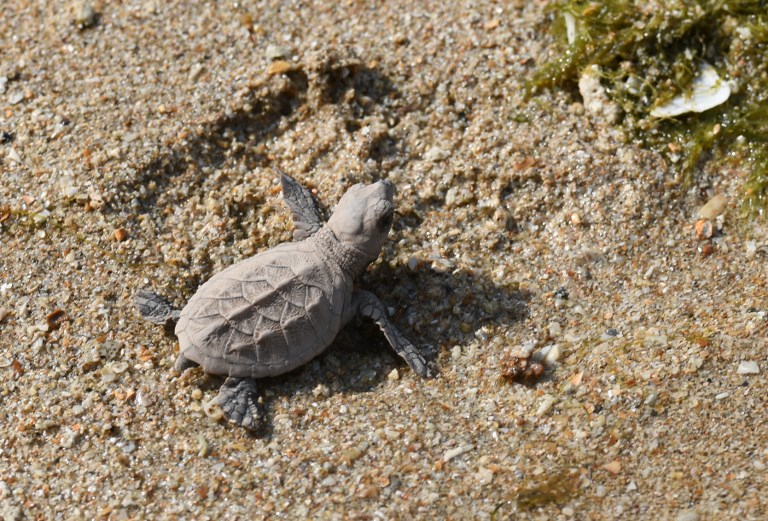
[(351, 260)]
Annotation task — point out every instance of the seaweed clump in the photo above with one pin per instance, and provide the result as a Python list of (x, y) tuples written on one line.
[(649, 52), (556, 490)]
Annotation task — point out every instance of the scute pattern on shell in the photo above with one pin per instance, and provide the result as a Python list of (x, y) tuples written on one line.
[(266, 315)]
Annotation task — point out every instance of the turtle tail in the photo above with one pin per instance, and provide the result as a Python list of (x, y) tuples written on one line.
[(154, 308)]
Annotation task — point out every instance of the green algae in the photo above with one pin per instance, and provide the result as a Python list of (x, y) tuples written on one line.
[(558, 489), (649, 52)]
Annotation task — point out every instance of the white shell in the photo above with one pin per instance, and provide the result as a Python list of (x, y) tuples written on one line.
[(570, 27), (708, 90)]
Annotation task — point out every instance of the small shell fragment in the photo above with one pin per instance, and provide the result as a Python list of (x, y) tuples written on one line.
[(108, 374), (708, 90), (484, 476), (274, 52), (213, 410), (196, 72), (577, 378), (458, 451), (144, 397), (552, 356), (321, 390), (84, 14), (688, 515), (546, 404), (748, 367), (713, 207), (202, 446)]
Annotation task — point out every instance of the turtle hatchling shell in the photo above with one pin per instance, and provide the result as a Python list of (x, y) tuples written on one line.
[(265, 315)]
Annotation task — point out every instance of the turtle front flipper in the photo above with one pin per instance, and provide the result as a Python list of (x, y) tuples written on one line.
[(239, 400), (154, 308), (368, 305), (304, 208)]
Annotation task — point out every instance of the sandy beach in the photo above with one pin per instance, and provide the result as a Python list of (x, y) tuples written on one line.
[(137, 147)]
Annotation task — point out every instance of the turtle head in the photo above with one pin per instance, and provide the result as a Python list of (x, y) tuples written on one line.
[(363, 217)]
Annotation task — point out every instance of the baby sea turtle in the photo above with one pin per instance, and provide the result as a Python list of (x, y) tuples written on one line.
[(277, 310)]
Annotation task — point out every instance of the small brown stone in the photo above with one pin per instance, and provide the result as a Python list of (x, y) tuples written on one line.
[(577, 378), (707, 250), (124, 395), (576, 219), (368, 491), (145, 355), (704, 229), (520, 369), (55, 319), (350, 455), (278, 67), (246, 20), (121, 234), (525, 164)]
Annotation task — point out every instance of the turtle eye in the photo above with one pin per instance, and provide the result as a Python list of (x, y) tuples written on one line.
[(385, 221)]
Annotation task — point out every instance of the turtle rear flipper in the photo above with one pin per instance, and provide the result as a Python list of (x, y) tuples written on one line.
[(239, 400), (154, 308)]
